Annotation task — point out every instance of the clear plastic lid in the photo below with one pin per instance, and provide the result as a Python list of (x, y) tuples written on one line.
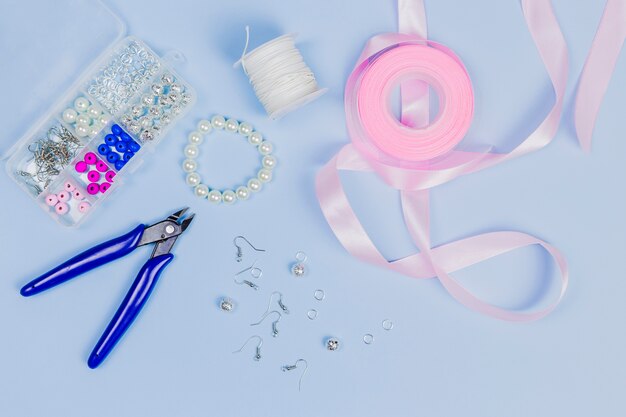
[(45, 54)]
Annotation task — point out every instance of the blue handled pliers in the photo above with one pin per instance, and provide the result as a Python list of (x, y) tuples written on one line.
[(163, 234)]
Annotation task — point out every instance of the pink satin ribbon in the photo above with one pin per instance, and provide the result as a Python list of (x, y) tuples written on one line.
[(598, 69), (414, 181)]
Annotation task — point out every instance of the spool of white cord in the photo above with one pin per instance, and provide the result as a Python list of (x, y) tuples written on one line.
[(282, 81)]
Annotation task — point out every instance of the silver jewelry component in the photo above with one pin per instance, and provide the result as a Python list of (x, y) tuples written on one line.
[(239, 251), (298, 269), (248, 283), (319, 295), (257, 356), (227, 304), (387, 324), (332, 344), (368, 338), (274, 323), (312, 314), (286, 368), (282, 306)]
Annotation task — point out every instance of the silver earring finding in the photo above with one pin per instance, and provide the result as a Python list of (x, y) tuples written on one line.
[(298, 269), (282, 305), (239, 250), (274, 323), (294, 366), (257, 355)]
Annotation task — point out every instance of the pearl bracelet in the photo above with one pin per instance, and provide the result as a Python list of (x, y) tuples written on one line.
[(242, 192)]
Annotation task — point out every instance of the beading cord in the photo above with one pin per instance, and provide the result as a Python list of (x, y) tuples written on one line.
[(281, 80)]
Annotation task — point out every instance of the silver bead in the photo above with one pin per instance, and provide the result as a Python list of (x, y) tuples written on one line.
[(167, 78), (176, 88), (147, 135), (137, 111), (166, 119), (147, 100), (157, 89), (332, 344)]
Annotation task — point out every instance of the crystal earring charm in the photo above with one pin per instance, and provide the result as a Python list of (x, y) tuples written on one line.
[(298, 269)]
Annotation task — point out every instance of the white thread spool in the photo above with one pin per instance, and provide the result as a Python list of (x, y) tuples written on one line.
[(281, 79)]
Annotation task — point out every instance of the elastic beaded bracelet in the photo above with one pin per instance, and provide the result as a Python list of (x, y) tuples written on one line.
[(242, 192)]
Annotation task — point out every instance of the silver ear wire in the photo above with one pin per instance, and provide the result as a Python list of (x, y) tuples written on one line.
[(257, 356), (294, 366), (246, 282), (239, 251), (274, 323), (282, 305)]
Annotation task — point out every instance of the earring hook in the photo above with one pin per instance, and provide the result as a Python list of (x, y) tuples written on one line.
[(294, 366), (257, 356), (274, 323), (282, 305), (239, 250), (246, 282)]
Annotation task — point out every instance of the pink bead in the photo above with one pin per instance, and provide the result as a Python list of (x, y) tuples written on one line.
[(109, 176), (104, 187), (93, 176), (61, 208), (69, 187), (64, 196), (78, 195), (101, 166), (90, 158), (81, 166), (52, 199), (93, 188), (84, 207)]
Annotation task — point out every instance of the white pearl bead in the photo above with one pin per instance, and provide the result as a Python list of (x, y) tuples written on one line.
[(215, 197), (232, 125), (104, 119), (94, 130), (255, 138), (204, 126), (201, 191), (218, 122), (83, 120), (193, 179), (189, 165), (94, 111), (81, 104), (191, 151), (269, 161), (243, 193), (265, 175), (254, 185), (245, 128), (82, 131), (229, 196), (195, 138), (69, 115), (266, 147)]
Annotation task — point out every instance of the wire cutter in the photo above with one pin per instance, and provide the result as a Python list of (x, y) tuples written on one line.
[(163, 234)]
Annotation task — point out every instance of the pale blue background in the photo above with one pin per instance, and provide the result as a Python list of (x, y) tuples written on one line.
[(440, 359)]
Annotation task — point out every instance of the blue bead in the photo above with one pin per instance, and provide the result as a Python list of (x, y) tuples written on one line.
[(116, 129), (128, 155), (103, 149), (113, 157), (120, 164), (110, 140), (125, 137), (134, 146), (121, 147)]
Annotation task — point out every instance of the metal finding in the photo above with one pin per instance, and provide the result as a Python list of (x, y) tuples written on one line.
[(248, 283), (387, 324), (312, 314), (294, 366), (239, 251), (319, 295), (282, 305), (368, 338), (274, 323), (257, 356)]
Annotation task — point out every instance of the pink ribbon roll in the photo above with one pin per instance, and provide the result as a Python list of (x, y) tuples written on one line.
[(380, 134)]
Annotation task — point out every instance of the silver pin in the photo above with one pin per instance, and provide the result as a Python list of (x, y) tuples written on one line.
[(282, 305), (257, 356), (294, 366), (274, 323), (239, 251)]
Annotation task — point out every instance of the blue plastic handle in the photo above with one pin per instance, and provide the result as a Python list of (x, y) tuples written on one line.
[(86, 261), (129, 309)]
